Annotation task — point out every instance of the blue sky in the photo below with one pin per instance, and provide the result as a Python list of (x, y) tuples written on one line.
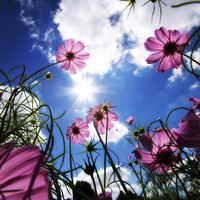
[(116, 68)]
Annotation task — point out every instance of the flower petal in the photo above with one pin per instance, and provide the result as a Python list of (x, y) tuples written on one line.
[(80, 64), (65, 65), (153, 44), (162, 34), (143, 156), (62, 49), (72, 68), (155, 57), (174, 35), (78, 46), (69, 45), (60, 57), (82, 55), (78, 121)]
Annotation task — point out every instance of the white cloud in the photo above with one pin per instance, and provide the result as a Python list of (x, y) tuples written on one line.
[(196, 56), (114, 135), (177, 73), (88, 21), (124, 173), (194, 85)]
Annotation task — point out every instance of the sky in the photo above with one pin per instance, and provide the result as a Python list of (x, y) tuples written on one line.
[(116, 69)]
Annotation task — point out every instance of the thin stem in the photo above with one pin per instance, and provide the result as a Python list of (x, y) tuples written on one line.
[(112, 163), (191, 59), (92, 177), (140, 172), (106, 142), (97, 172), (70, 161)]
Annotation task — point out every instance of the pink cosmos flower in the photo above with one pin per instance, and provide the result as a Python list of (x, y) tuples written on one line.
[(78, 131), (22, 176), (195, 102), (99, 115), (189, 133), (100, 196), (130, 120), (168, 46), (72, 56), (160, 151)]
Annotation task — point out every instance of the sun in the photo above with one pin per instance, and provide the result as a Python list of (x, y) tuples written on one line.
[(84, 89)]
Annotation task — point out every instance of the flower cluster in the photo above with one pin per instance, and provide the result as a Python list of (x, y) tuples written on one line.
[(102, 117), (162, 147)]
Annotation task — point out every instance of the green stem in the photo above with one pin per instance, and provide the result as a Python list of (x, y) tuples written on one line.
[(41, 70), (105, 152), (112, 164), (102, 189), (92, 177), (70, 160), (140, 172), (191, 59)]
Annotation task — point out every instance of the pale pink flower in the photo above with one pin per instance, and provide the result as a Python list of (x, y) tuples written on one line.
[(72, 56), (78, 131), (130, 120), (160, 151), (168, 46), (22, 176), (189, 133), (99, 115)]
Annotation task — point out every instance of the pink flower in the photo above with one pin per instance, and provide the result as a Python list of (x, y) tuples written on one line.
[(189, 133), (72, 56), (168, 46), (130, 120), (100, 196), (78, 131), (195, 102), (22, 176), (160, 151), (99, 115)]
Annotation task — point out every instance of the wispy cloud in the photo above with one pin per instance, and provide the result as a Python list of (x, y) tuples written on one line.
[(194, 85), (177, 73)]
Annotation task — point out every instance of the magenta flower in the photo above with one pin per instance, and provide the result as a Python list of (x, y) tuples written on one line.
[(197, 150), (78, 131), (1, 94), (160, 151), (100, 196), (189, 133), (72, 56), (195, 102), (22, 176), (168, 46), (99, 115), (130, 120)]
